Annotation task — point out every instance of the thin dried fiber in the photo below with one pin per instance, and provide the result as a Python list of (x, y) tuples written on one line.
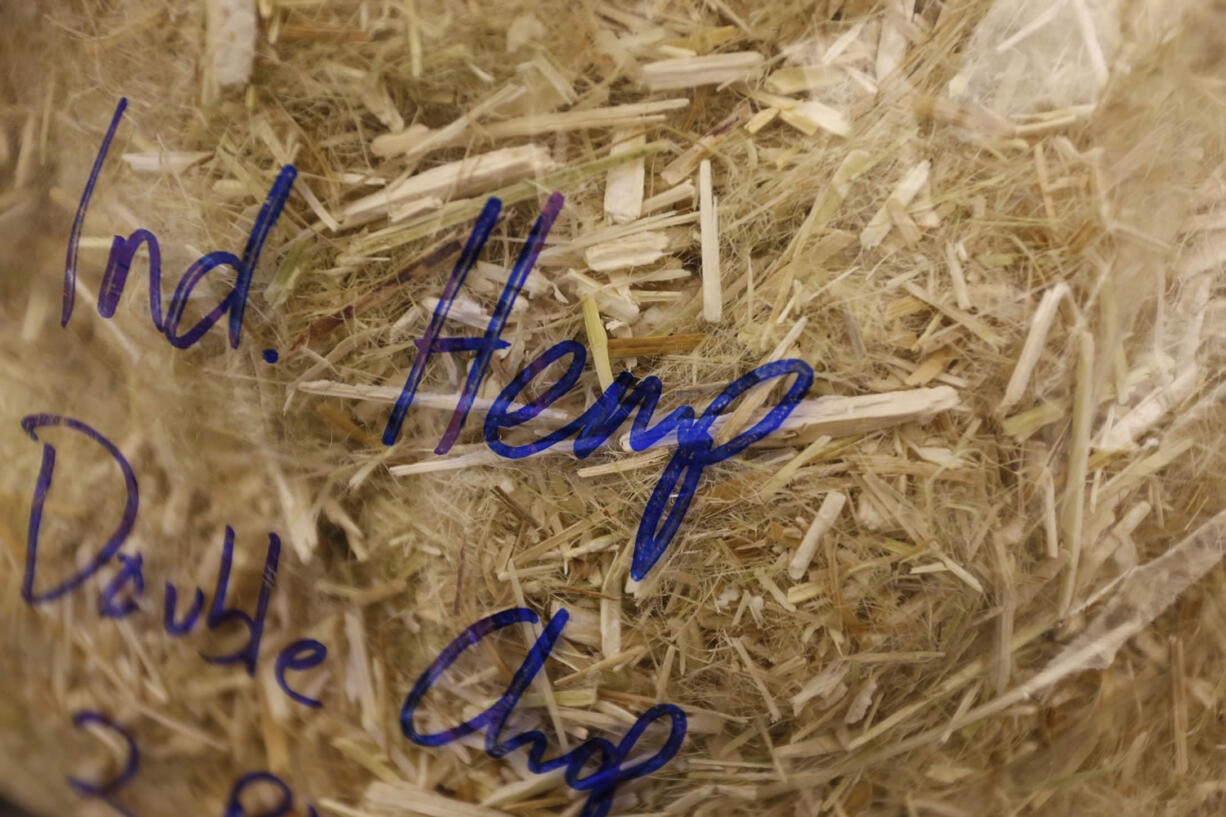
[(976, 573)]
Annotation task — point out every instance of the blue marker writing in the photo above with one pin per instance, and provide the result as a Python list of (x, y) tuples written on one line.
[(696, 450), (695, 447), (490, 341), (124, 250), (234, 807), (219, 614), (119, 597), (132, 502), (106, 791), (284, 805), (600, 784)]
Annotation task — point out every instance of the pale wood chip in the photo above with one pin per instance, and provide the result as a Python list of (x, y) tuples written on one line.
[(712, 286), (831, 506), (623, 193), (689, 72), (811, 116)]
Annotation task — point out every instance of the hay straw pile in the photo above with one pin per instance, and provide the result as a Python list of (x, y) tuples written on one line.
[(978, 576)]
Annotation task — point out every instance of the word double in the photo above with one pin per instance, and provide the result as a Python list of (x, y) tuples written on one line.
[(120, 596)]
